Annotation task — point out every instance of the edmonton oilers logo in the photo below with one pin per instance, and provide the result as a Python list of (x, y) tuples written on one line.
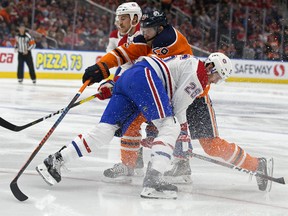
[(279, 70)]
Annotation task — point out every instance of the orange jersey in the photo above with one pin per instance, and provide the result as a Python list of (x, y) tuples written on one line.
[(168, 42)]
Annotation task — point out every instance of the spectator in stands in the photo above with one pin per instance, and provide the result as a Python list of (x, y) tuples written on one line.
[(258, 47), (285, 54), (41, 42), (285, 36), (166, 5), (58, 17), (7, 42), (4, 12), (41, 29), (248, 52)]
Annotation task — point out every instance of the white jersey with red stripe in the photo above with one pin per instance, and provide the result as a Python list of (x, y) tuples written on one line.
[(184, 78), (116, 39)]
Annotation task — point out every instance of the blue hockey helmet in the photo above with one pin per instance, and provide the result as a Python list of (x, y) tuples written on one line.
[(153, 19)]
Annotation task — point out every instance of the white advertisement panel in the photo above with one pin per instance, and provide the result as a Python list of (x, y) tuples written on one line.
[(49, 63), (64, 64), (261, 70)]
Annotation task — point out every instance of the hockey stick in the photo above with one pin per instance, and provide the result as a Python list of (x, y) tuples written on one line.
[(16, 128), (281, 180), (13, 185)]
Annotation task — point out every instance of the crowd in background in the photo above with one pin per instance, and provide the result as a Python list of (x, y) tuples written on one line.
[(245, 34)]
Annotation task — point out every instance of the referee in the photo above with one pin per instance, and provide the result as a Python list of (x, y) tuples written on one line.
[(24, 44)]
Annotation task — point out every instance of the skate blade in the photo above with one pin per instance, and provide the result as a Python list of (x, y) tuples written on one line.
[(120, 179), (270, 168), (151, 193), (185, 179), (42, 170)]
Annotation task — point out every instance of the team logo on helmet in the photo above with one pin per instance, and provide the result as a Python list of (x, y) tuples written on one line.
[(156, 13)]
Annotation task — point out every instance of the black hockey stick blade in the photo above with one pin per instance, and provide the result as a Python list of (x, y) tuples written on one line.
[(9, 125), (17, 192)]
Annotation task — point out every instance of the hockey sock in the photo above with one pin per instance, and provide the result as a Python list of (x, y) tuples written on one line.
[(230, 152), (129, 150), (161, 156), (130, 142)]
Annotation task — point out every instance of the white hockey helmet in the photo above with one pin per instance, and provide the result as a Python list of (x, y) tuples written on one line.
[(221, 64), (130, 8)]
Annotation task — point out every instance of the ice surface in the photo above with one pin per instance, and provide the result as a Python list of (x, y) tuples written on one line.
[(252, 115)]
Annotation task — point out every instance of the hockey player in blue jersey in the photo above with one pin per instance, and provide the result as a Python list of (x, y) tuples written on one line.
[(159, 89)]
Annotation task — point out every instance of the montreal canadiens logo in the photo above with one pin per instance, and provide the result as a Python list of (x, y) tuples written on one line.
[(279, 70)]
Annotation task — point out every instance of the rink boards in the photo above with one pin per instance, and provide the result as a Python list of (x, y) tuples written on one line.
[(66, 64)]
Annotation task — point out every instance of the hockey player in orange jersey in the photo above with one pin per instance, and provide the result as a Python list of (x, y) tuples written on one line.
[(200, 114)]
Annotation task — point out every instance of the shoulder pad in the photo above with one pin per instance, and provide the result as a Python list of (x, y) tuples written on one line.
[(139, 39), (166, 38), (114, 34)]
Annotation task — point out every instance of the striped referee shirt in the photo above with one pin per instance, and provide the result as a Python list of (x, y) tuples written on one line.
[(24, 43)]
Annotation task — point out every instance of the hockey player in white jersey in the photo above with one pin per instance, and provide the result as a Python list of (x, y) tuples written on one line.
[(127, 20), (159, 89)]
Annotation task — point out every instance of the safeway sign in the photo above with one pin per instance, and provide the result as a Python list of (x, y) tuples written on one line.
[(260, 69)]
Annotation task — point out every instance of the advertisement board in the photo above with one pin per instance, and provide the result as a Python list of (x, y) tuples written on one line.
[(64, 64), (49, 64)]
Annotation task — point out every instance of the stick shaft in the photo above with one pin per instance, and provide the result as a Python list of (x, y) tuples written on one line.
[(16, 128), (13, 185)]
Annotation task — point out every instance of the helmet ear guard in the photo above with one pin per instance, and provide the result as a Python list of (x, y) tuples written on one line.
[(221, 64)]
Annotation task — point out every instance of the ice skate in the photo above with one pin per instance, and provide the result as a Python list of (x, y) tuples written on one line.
[(180, 173), (155, 187), (50, 168), (265, 168), (119, 173)]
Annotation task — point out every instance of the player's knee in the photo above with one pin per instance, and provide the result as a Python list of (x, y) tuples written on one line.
[(100, 135)]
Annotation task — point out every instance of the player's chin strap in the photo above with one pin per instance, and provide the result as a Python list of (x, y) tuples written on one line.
[(132, 26)]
